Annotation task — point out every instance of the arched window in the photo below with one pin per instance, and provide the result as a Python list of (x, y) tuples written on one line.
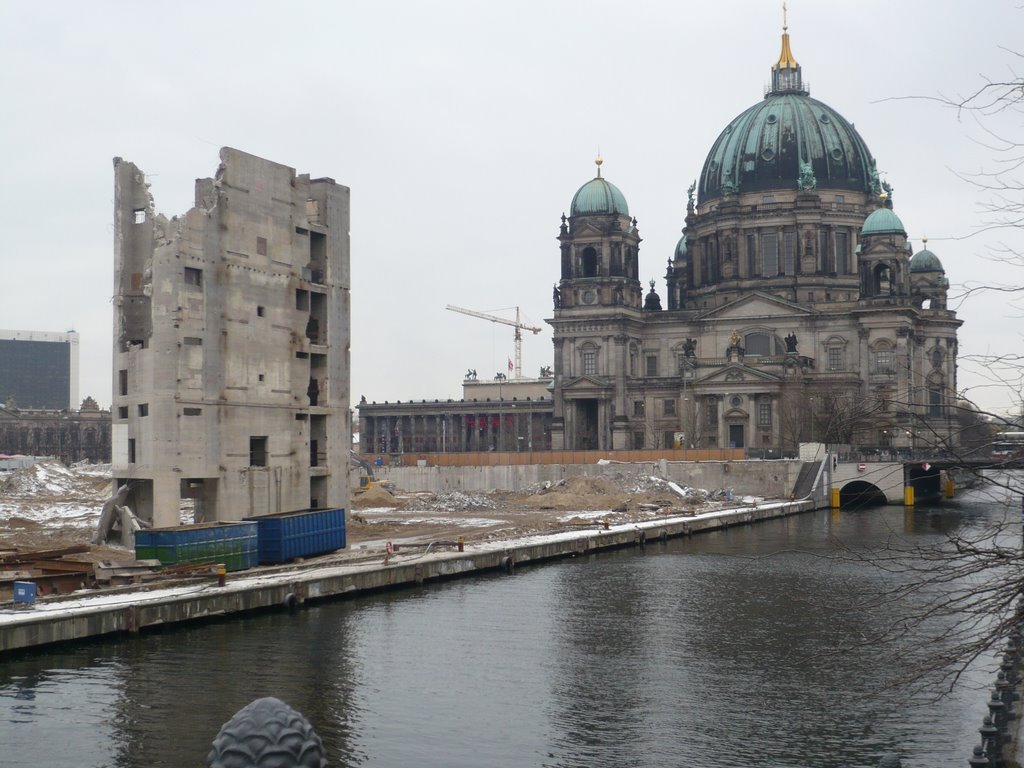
[(883, 358), (588, 359), (589, 262), (835, 353), (883, 280), (757, 344)]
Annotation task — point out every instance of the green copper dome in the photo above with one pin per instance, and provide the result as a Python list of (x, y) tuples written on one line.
[(925, 261), (598, 196), (680, 254), (766, 146), (883, 222)]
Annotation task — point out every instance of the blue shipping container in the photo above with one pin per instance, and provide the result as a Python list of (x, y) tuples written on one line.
[(25, 592), (234, 544), (307, 532)]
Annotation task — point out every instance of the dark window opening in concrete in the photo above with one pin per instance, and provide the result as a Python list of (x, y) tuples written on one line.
[(131, 450), (317, 325), (259, 311), (258, 451), (302, 300), (194, 277), (122, 412), (143, 409), (261, 377), (193, 411), (652, 365), (261, 246), (638, 408), (192, 341), (302, 232), (317, 256), (302, 355), (140, 215), (301, 416), (122, 381), (638, 441), (317, 491)]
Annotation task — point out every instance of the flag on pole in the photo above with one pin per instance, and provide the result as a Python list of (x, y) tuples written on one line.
[(510, 366)]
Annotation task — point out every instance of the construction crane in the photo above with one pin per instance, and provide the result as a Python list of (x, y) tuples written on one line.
[(514, 323)]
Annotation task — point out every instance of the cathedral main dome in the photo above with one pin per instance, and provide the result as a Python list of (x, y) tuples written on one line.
[(767, 146)]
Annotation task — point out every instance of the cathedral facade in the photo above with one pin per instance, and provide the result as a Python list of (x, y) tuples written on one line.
[(795, 309)]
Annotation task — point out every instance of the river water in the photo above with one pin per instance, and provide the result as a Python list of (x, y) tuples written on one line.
[(725, 649)]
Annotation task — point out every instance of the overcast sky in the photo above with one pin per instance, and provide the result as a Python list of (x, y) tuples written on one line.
[(463, 130)]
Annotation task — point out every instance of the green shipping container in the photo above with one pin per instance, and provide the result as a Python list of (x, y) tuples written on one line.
[(234, 544)]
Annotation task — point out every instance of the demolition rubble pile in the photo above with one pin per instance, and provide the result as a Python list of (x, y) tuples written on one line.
[(554, 506)]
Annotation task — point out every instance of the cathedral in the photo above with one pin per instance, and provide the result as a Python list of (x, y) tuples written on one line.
[(794, 308)]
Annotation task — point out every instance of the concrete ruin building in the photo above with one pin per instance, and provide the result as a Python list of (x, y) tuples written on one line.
[(231, 344)]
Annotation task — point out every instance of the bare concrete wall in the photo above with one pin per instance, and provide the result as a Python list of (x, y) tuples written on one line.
[(773, 479)]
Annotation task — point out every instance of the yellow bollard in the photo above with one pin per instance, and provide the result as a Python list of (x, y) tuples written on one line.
[(908, 496), (950, 488), (462, 544), (835, 498)]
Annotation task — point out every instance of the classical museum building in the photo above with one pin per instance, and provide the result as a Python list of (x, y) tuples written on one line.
[(794, 307)]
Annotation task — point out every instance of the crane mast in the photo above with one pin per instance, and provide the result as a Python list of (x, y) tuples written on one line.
[(516, 324)]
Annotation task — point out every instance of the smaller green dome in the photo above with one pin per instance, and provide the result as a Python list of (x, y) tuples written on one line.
[(680, 254), (925, 261), (598, 196), (883, 222)]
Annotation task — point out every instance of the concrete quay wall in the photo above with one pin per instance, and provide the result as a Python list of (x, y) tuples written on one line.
[(83, 617), (772, 479)]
